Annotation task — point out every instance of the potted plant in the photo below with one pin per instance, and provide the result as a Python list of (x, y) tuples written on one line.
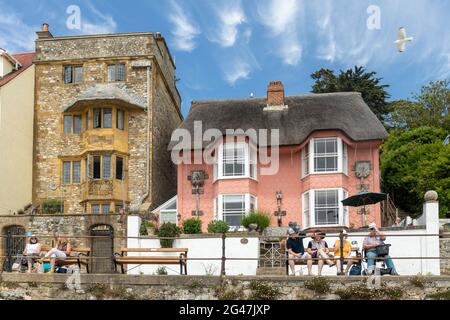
[(151, 228), (261, 219), (168, 230)]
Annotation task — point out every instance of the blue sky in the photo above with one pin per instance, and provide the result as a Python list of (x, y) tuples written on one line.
[(231, 48)]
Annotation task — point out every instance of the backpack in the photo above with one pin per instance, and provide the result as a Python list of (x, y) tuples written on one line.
[(355, 270)]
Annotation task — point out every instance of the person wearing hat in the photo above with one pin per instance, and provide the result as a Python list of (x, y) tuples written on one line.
[(318, 249), (370, 243), (32, 251), (347, 252), (296, 250)]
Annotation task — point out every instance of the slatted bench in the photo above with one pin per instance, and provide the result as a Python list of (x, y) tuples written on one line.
[(78, 256), (123, 259), (314, 262)]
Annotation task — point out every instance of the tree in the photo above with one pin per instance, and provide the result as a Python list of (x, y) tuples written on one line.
[(357, 79), (413, 162), (428, 108)]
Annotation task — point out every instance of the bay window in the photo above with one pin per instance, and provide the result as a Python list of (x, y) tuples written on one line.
[(233, 207), (323, 207), (235, 160), (324, 155)]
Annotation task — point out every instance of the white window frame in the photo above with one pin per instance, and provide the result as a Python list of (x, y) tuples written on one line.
[(342, 157), (247, 199), (250, 154), (161, 209), (343, 213)]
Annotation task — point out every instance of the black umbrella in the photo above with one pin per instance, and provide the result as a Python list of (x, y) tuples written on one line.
[(362, 199)]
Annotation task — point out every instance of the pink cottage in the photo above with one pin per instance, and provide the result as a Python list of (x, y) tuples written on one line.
[(321, 148)]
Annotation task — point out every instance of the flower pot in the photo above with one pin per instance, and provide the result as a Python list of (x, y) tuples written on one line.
[(151, 231)]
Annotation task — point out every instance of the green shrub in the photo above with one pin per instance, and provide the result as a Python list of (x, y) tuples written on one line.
[(218, 226), (143, 228), (192, 226), (319, 285), (52, 206), (262, 291), (161, 271), (362, 292), (169, 230), (444, 295), (262, 219)]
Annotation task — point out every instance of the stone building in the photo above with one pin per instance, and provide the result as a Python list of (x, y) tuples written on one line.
[(105, 109)]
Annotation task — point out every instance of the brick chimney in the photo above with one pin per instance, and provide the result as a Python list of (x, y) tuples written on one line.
[(275, 94), (44, 33)]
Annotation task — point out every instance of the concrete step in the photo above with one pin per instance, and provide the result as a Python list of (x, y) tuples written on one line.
[(265, 271)]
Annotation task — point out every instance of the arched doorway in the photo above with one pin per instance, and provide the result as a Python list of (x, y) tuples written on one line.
[(12, 244), (102, 249)]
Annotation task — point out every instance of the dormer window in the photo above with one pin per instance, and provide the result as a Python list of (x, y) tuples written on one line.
[(236, 160), (324, 155)]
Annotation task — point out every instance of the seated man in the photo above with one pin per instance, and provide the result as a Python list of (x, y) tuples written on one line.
[(296, 250), (371, 242), (347, 249), (318, 249)]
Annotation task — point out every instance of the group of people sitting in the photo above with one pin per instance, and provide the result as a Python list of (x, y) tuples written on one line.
[(35, 257), (318, 250)]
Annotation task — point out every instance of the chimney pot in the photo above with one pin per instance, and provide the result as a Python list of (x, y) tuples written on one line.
[(45, 27), (275, 93)]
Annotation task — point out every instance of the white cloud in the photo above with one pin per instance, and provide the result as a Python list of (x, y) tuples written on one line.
[(237, 70), (185, 30), (230, 15), (101, 24), (15, 34), (281, 18)]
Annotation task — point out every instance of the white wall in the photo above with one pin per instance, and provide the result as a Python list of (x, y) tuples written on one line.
[(404, 243), (199, 248)]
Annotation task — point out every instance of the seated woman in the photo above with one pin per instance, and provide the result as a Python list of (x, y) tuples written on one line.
[(32, 251), (318, 249), (347, 249), (60, 251)]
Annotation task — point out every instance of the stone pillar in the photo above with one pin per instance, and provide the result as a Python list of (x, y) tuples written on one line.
[(431, 217)]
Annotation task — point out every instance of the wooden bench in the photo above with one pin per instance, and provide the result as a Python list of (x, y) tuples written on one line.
[(298, 262), (78, 256), (122, 259)]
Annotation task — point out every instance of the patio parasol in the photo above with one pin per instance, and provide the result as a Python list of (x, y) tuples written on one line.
[(363, 199)]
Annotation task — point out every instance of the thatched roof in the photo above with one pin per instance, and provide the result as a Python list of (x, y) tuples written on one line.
[(305, 114)]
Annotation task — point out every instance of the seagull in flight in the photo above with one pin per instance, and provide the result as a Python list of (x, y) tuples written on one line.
[(402, 39)]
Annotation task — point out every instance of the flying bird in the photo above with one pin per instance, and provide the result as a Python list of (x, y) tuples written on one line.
[(402, 39)]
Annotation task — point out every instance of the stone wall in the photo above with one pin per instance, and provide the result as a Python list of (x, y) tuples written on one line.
[(165, 120), (124, 287), (75, 227), (444, 249)]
